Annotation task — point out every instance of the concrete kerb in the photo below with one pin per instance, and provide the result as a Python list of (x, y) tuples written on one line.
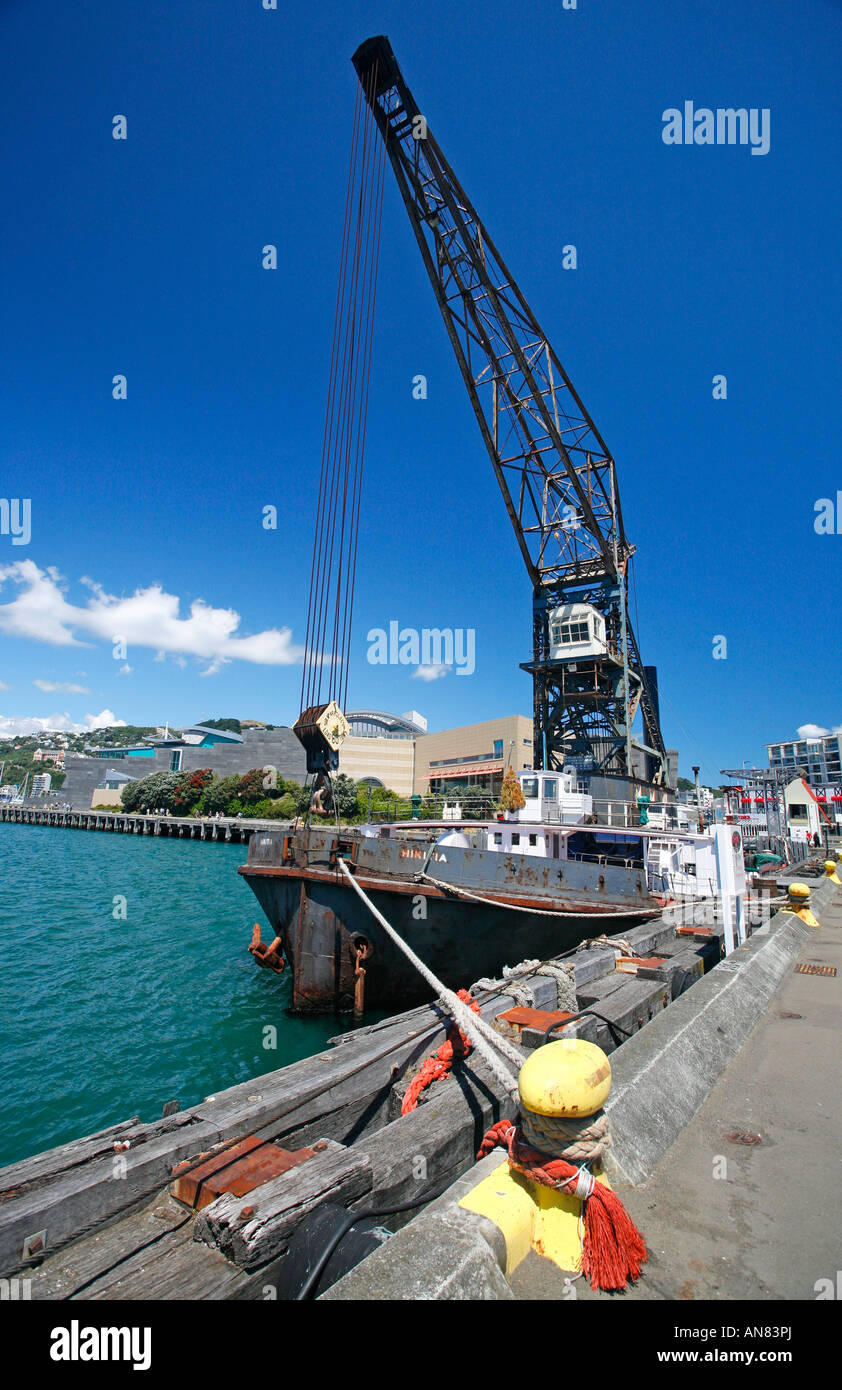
[(661, 1077)]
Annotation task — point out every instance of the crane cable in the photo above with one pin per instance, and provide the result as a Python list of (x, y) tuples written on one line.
[(333, 569)]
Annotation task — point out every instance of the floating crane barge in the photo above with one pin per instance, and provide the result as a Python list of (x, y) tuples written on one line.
[(464, 906)]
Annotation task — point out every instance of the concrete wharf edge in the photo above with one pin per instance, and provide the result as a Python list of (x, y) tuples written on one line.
[(661, 1077)]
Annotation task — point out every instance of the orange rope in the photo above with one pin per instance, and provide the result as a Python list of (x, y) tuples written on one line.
[(613, 1250), (436, 1067)]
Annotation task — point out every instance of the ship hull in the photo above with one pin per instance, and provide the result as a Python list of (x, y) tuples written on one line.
[(322, 922)]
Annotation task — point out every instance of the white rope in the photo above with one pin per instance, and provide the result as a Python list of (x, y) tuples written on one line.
[(481, 1034), (537, 911), (565, 981), (617, 943), (521, 993)]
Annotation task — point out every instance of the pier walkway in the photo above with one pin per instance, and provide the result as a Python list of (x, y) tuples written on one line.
[(226, 830), (729, 1220)]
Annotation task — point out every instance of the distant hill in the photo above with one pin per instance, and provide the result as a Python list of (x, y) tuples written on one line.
[(232, 725)]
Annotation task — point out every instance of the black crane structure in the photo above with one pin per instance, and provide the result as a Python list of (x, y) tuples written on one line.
[(556, 475)]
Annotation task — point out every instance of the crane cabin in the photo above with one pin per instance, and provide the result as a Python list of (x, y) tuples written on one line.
[(576, 632)]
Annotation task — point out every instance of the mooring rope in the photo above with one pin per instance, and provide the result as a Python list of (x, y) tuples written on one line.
[(533, 911), (489, 1044), (617, 943)]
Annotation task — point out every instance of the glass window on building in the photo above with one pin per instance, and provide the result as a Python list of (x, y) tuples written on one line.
[(498, 748)]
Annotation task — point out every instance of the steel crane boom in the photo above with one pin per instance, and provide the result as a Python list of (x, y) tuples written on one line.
[(555, 473)]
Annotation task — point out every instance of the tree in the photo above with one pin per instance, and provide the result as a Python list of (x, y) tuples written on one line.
[(511, 794), (190, 789), (250, 788), (130, 795), (150, 793), (219, 794), (345, 795)]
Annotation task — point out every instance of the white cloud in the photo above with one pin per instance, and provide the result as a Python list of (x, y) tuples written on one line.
[(813, 731), (215, 666), (430, 672), (125, 670), (65, 686), (149, 617), (106, 719), (18, 725), (4, 686)]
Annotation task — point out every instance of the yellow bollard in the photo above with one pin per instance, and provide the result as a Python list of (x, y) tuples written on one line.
[(564, 1081), (830, 871), (799, 904)]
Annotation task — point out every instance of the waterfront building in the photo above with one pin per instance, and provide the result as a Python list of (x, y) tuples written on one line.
[(380, 749), (820, 756), (805, 817), (475, 756), (225, 754)]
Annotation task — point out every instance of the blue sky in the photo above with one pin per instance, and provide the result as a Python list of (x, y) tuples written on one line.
[(143, 257)]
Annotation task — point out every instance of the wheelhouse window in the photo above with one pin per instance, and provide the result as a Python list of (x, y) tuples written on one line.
[(550, 789), (530, 786)]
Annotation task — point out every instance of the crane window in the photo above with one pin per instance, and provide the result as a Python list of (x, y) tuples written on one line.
[(565, 634)]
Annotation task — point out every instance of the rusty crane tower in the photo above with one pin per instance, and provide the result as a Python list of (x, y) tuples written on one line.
[(557, 477), (554, 470)]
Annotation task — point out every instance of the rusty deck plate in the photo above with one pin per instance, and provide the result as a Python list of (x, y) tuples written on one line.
[(539, 1019), (238, 1169), (629, 965), (805, 969)]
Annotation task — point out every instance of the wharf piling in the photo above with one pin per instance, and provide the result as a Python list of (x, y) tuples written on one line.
[(225, 831)]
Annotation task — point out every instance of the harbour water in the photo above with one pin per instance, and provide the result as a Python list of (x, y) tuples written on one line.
[(104, 1017)]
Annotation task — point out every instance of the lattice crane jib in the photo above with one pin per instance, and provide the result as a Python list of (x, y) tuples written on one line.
[(554, 470)]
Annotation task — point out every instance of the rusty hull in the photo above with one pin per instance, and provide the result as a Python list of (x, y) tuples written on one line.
[(295, 877)]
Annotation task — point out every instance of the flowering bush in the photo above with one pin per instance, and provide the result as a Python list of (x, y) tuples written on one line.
[(189, 791)]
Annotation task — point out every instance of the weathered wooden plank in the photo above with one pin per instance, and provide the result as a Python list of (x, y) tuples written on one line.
[(591, 963), (629, 1008), (251, 1231), (16, 1176), (647, 937), (114, 1244), (439, 1140), (187, 1271), (77, 1202), (600, 988), (679, 971)]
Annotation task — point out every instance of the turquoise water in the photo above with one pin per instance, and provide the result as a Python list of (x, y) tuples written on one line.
[(102, 1019)]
